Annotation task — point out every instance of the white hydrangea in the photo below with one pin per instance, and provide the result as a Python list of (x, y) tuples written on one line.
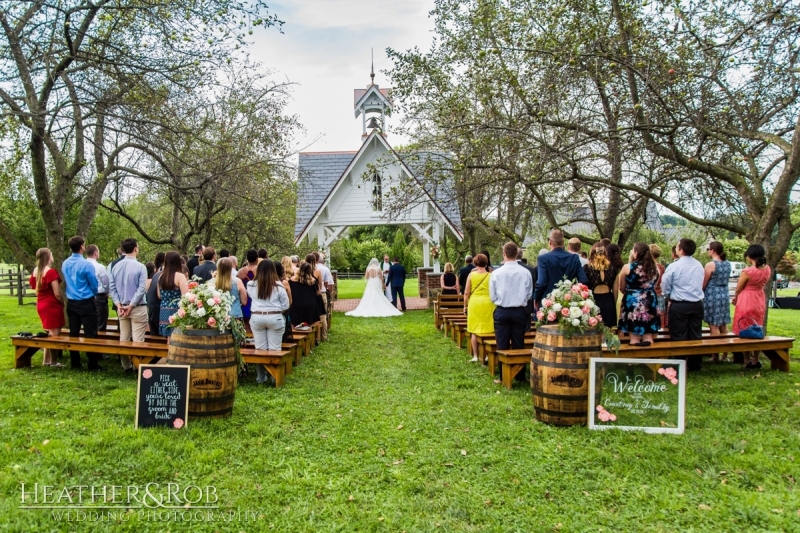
[(576, 322), (575, 312), (201, 313), (556, 307)]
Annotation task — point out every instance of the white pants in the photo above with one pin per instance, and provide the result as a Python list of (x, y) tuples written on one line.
[(323, 319), (132, 328), (268, 335)]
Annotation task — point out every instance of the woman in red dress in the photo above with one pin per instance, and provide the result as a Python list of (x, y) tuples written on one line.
[(750, 299), (46, 282)]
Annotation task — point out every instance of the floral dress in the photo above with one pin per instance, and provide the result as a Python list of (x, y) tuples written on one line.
[(639, 313), (170, 300), (717, 301)]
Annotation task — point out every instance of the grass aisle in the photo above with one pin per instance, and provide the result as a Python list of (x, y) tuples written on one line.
[(388, 428)]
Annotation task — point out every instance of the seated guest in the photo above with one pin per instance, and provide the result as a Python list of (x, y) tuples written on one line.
[(208, 266), (602, 276), (750, 300), (555, 265), (716, 298), (574, 247), (683, 286), (224, 281), (449, 281), (172, 284), (464, 272), (510, 287), (269, 302), (637, 281), (477, 304), (304, 290), (49, 302)]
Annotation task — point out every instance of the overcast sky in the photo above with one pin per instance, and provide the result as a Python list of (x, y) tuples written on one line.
[(325, 50)]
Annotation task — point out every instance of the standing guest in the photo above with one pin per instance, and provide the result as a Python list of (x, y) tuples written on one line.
[(49, 303), (555, 265), (478, 304), (184, 268), (397, 280), (574, 247), (449, 281), (288, 266), (327, 285), (295, 264), (637, 281), (223, 281), (81, 289), (614, 255), (120, 257), (208, 266), (172, 284), (683, 286), (510, 288), (489, 266), (464, 273), (385, 266), (655, 251), (128, 287), (584, 255), (193, 263), (287, 321), (248, 274), (151, 271), (304, 288), (152, 299), (101, 298), (224, 253), (270, 301), (717, 301), (750, 301), (234, 264), (323, 314), (534, 277), (262, 254), (159, 261), (602, 276), (675, 254)]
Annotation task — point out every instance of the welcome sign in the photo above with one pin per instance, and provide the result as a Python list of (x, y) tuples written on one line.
[(637, 394)]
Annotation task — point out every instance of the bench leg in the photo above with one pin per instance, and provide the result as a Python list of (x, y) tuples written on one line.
[(492, 362), (779, 359), (509, 372), (22, 357), (287, 367), (277, 372), (298, 355)]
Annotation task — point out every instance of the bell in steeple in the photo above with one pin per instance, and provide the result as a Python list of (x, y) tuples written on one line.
[(375, 102)]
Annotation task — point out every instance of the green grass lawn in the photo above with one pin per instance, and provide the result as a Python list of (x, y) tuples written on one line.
[(387, 427), (354, 288)]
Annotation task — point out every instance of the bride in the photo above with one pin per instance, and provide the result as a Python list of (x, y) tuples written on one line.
[(374, 303)]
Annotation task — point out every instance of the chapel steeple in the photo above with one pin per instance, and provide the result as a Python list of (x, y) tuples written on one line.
[(375, 102)]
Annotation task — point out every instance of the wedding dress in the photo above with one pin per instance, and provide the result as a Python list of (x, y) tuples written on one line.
[(374, 303)]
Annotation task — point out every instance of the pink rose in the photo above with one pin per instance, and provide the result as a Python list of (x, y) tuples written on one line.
[(576, 289), (600, 408), (599, 318), (540, 315), (212, 321), (216, 300), (551, 316), (674, 381), (604, 416), (193, 284), (670, 373), (661, 371), (567, 297), (611, 417), (199, 304), (181, 313), (171, 319), (592, 321), (191, 297), (147, 373), (586, 309), (177, 423), (547, 303), (565, 311), (584, 294)]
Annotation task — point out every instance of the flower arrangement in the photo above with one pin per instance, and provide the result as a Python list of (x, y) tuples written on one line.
[(435, 251), (203, 307), (571, 306), (604, 415), (670, 374)]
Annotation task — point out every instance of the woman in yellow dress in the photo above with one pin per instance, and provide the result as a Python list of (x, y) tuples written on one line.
[(477, 304)]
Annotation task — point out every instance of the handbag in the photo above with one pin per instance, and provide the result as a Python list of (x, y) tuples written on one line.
[(753, 331)]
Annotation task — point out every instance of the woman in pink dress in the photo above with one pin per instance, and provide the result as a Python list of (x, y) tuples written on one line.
[(750, 299)]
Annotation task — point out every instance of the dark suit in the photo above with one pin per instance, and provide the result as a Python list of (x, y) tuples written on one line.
[(205, 270), (529, 307), (396, 280), (192, 263), (554, 266), (463, 274)]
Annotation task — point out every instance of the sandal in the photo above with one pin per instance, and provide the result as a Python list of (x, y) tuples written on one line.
[(57, 365), (643, 344)]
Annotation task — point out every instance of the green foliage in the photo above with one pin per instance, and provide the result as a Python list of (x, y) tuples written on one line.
[(735, 249)]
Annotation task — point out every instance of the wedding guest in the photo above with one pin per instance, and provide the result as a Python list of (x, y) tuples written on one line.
[(192, 263), (128, 289), (489, 266), (614, 255), (464, 273), (584, 255), (184, 268), (287, 324), (637, 280), (750, 301), (159, 261), (716, 299), (152, 299), (295, 264), (327, 285), (49, 302), (323, 314), (574, 247), (223, 281), (478, 304), (510, 288), (269, 301), (683, 286), (449, 281), (262, 254), (534, 272), (602, 281), (172, 284), (151, 271), (235, 265), (304, 288), (81, 311), (223, 253), (288, 266), (101, 298), (247, 274), (555, 265), (208, 266), (385, 266), (655, 251), (120, 257), (675, 254)]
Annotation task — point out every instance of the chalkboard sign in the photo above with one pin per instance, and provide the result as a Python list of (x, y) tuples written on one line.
[(162, 396), (637, 394)]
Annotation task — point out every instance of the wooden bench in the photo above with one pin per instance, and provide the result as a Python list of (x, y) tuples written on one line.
[(775, 348), (277, 362), (447, 304)]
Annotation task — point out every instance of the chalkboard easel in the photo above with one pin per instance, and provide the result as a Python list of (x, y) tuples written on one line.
[(162, 396)]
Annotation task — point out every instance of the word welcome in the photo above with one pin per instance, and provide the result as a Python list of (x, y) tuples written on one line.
[(637, 385)]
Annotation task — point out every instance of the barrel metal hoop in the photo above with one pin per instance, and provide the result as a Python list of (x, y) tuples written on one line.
[(180, 344), (213, 400), (549, 364), (567, 349), (203, 332), (198, 414), (205, 365), (559, 413), (550, 396)]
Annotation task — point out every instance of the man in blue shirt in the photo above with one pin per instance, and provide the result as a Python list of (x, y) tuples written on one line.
[(127, 289), (554, 266), (81, 281)]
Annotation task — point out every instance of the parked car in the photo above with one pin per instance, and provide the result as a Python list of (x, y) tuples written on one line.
[(781, 281), (736, 268)]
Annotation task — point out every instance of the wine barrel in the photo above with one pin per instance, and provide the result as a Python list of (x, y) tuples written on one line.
[(560, 374), (212, 380)]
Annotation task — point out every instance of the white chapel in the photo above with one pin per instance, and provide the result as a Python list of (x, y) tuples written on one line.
[(337, 190)]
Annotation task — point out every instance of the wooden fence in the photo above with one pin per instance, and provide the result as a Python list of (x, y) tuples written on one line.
[(14, 282)]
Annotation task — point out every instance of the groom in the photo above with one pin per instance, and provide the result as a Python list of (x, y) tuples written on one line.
[(396, 279)]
